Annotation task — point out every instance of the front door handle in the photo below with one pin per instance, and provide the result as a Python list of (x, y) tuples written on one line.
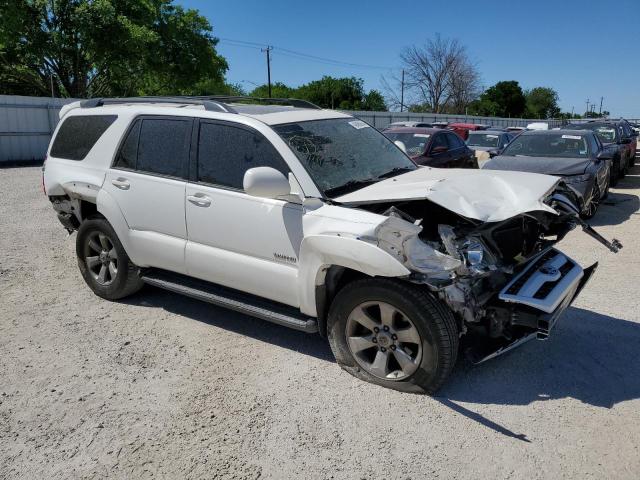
[(121, 183), (199, 200)]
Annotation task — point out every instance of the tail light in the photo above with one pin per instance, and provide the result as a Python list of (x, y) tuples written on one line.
[(44, 190)]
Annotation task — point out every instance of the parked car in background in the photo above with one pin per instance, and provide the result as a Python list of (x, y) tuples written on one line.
[(463, 129), (409, 124), (488, 143), (578, 156), (538, 126), (619, 137), (433, 147)]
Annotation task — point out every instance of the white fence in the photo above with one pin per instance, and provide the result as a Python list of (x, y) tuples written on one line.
[(382, 119)]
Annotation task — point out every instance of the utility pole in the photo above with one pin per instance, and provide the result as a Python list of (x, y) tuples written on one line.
[(572, 108), (268, 50), (402, 92), (600, 112), (587, 107)]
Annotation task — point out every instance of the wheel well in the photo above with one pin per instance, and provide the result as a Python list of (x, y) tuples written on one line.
[(336, 277), (87, 209)]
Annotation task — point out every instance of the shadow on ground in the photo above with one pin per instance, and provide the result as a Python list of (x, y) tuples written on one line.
[(619, 206), (236, 322), (590, 357)]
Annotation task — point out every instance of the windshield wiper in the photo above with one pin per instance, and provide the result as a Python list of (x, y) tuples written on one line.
[(350, 186), (393, 172)]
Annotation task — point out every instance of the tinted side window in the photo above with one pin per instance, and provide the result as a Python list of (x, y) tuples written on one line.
[(163, 147), (129, 150), (439, 141), (454, 141), (78, 134), (226, 152)]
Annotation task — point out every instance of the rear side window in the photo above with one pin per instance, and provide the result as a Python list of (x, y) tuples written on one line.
[(454, 141), (78, 134), (226, 152), (157, 145)]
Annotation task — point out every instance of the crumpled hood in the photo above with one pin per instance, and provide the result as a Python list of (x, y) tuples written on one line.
[(549, 166), (488, 196)]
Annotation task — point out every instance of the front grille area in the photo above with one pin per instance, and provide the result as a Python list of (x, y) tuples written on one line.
[(544, 282), (517, 284)]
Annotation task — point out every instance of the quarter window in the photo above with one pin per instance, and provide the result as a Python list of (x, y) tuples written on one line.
[(226, 152), (78, 134)]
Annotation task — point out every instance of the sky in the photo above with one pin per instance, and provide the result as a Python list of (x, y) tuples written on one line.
[(583, 49)]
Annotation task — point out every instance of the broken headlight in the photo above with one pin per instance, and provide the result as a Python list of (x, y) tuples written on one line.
[(474, 254)]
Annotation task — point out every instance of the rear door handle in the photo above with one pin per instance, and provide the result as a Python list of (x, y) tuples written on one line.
[(121, 183), (199, 200)]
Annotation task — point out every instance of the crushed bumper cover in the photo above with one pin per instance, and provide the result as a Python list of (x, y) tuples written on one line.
[(545, 321)]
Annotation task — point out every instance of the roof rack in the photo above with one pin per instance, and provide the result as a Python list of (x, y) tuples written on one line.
[(214, 103), (211, 105), (294, 102)]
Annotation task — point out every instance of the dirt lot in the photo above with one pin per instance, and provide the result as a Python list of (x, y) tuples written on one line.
[(161, 385)]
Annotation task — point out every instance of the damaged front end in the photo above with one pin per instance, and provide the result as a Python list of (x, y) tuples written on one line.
[(504, 280)]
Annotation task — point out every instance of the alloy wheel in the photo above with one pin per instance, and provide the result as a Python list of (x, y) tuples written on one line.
[(383, 340), (101, 258)]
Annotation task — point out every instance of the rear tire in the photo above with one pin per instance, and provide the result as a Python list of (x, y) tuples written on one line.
[(614, 175), (103, 262), (416, 344)]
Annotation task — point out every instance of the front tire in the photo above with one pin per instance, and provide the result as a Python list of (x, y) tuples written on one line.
[(592, 207), (103, 262), (393, 334)]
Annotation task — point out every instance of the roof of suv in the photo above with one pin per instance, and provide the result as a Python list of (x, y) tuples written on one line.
[(269, 114)]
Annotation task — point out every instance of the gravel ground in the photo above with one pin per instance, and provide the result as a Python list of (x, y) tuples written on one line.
[(162, 385)]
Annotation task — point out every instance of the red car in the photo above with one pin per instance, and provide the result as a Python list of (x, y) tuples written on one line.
[(462, 129), (434, 147)]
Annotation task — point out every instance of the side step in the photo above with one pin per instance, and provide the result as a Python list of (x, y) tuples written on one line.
[(232, 299)]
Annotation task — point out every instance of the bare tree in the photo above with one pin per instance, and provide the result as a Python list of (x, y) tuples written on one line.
[(440, 74), (464, 87)]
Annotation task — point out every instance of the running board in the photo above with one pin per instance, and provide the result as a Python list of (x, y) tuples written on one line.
[(232, 299)]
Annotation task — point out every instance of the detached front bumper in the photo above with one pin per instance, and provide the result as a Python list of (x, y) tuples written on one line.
[(539, 295)]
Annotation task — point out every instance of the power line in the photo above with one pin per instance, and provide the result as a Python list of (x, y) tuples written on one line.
[(300, 55)]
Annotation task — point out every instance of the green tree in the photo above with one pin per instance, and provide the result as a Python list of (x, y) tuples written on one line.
[(278, 90), (105, 47), (340, 93), (542, 102), (374, 101), (505, 98)]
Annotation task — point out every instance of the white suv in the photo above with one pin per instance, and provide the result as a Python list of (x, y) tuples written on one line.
[(312, 219)]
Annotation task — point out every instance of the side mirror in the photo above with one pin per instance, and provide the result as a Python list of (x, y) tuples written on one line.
[(265, 182), (625, 141), (440, 149), (604, 155), (493, 153)]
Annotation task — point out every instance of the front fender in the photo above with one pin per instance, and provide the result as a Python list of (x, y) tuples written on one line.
[(318, 252)]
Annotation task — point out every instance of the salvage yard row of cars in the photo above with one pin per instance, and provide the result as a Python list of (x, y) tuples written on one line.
[(589, 157), (314, 220)]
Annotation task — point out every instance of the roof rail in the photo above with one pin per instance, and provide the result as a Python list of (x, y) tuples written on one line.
[(207, 102), (294, 102)]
